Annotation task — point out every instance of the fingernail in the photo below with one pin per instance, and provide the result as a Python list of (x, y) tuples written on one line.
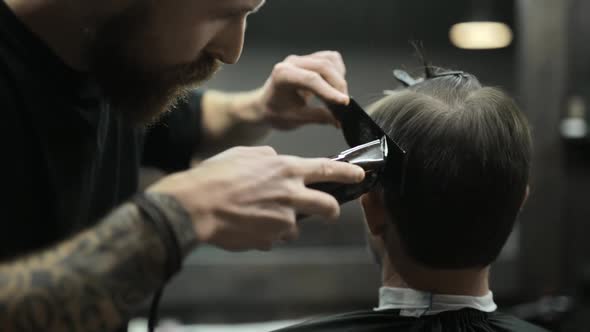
[(334, 217), (345, 99), (360, 174)]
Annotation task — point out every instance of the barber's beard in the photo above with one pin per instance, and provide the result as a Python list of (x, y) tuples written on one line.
[(137, 92), (141, 95)]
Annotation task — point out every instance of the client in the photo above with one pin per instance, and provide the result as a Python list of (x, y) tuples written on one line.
[(466, 179)]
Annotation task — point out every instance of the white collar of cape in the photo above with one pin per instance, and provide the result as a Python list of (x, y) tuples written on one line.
[(414, 303)]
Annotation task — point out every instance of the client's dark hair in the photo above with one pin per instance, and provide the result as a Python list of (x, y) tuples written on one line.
[(468, 156)]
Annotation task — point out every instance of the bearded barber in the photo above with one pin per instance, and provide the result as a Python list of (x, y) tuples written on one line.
[(79, 81)]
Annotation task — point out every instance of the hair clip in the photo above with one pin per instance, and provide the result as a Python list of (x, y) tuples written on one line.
[(451, 73), (403, 77)]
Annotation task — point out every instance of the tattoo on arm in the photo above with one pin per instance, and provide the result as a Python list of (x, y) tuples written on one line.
[(92, 282)]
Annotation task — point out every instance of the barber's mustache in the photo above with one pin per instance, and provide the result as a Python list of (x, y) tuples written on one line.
[(201, 68), (207, 60)]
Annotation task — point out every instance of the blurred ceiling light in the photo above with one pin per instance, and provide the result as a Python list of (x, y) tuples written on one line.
[(481, 35), (484, 25)]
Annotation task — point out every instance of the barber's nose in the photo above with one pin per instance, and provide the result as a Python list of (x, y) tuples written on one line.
[(228, 44)]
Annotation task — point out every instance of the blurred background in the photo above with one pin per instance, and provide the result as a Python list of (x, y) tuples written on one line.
[(537, 50)]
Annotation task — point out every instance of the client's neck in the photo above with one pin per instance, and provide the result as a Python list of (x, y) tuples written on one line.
[(467, 282)]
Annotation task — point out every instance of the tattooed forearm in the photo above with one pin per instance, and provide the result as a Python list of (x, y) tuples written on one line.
[(92, 282)]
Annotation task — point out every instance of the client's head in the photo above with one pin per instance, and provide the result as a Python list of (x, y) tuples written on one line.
[(466, 178)]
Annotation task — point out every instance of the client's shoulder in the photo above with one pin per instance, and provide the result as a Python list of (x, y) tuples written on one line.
[(506, 322), (467, 320), (374, 321)]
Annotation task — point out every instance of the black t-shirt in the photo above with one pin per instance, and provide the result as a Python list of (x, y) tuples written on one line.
[(465, 320), (67, 158)]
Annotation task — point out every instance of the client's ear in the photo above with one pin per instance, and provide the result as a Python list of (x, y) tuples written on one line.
[(526, 196), (374, 209)]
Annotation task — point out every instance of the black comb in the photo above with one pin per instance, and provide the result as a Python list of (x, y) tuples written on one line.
[(381, 158), (359, 128)]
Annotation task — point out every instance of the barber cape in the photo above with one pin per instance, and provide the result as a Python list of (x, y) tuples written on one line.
[(403, 309)]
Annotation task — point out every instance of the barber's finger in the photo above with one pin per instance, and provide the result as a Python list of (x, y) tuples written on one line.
[(272, 218), (301, 78), (265, 246), (265, 151), (315, 115), (326, 68), (334, 57), (326, 170), (316, 203), (291, 235)]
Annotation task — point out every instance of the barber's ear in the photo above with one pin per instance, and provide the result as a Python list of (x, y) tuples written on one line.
[(372, 203)]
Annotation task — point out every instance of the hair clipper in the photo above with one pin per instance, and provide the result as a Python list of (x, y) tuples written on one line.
[(382, 158), (371, 157)]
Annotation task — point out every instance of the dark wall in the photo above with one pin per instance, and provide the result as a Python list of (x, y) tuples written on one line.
[(577, 152), (371, 23), (543, 79)]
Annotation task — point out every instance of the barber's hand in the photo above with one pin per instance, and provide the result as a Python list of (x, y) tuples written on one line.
[(286, 97), (248, 198)]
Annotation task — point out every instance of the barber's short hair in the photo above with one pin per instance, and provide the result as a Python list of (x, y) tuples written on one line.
[(468, 162)]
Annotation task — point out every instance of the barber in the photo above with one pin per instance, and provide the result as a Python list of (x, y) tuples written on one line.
[(84, 90)]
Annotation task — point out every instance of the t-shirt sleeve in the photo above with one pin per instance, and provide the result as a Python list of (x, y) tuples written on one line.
[(171, 143)]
